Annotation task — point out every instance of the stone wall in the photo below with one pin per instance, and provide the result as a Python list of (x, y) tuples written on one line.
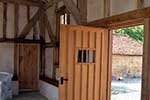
[(126, 66)]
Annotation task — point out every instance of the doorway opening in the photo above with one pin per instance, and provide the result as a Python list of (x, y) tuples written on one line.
[(127, 62)]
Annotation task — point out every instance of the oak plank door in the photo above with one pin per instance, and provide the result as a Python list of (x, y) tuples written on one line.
[(84, 57), (28, 66)]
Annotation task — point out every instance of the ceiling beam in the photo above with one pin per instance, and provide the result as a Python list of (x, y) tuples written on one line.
[(37, 3), (121, 18), (13, 40)]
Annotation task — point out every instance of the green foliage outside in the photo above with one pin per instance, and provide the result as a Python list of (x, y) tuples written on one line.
[(136, 32)]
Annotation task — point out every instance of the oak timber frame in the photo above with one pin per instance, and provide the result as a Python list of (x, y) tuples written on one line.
[(137, 17), (40, 16), (133, 18), (59, 12)]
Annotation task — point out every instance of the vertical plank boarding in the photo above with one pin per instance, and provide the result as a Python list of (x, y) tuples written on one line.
[(86, 80)]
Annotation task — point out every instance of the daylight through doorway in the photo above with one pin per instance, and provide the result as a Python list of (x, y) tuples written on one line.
[(127, 60)]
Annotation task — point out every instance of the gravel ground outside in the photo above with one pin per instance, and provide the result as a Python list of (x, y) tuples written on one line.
[(126, 90)]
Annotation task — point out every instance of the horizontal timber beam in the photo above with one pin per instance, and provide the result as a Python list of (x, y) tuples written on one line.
[(51, 45), (49, 80), (37, 3), (11, 40), (136, 15)]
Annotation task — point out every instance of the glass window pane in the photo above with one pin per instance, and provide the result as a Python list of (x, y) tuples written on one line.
[(66, 18), (91, 56), (62, 19)]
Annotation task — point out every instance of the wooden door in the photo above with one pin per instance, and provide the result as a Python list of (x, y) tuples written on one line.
[(83, 63), (28, 66)]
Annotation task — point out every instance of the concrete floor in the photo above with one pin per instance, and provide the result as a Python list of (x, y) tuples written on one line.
[(29, 96)]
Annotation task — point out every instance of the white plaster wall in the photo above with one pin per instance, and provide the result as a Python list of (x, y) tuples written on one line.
[(147, 3), (121, 6), (52, 17), (33, 11), (72, 20), (6, 57), (49, 51), (49, 91), (47, 38), (60, 4), (49, 62), (95, 9), (15, 87), (10, 21), (22, 17), (1, 19)]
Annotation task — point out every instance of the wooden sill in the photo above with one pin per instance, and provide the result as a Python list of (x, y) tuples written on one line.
[(49, 80), (43, 78)]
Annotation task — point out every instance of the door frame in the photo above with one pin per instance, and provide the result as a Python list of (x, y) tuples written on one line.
[(131, 18), (146, 54)]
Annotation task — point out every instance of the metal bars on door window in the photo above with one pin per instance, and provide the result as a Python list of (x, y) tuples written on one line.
[(85, 56)]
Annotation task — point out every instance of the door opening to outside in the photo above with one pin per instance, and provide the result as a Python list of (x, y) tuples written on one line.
[(127, 54)]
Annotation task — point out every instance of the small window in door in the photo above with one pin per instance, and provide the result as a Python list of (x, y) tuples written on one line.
[(91, 56), (79, 56), (85, 56)]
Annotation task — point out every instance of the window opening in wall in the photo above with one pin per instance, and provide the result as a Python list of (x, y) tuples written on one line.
[(127, 61), (51, 70), (63, 17)]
